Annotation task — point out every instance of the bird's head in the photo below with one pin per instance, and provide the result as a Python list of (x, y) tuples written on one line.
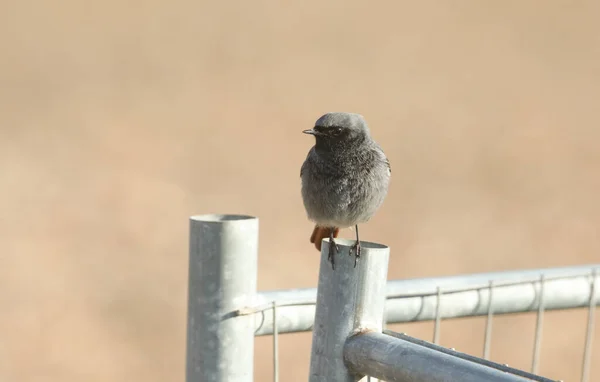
[(334, 129)]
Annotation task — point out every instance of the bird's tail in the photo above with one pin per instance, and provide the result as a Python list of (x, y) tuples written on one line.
[(320, 233)]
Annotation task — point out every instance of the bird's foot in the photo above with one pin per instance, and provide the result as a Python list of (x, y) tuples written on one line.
[(356, 249), (333, 248)]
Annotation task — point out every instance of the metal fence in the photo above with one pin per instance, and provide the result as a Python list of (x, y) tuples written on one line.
[(348, 311)]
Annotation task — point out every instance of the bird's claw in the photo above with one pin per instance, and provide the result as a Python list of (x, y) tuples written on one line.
[(333, 248), (356, 249)]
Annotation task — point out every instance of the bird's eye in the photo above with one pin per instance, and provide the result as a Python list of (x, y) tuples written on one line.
[(336, 131)]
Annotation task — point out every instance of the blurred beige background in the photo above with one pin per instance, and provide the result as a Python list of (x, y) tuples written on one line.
[(119, 120)]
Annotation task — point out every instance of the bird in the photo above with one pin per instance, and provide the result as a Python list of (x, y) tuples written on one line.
[(344, 179)]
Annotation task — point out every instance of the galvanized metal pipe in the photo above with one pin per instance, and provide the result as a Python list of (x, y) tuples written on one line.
[(396, 360), (350, 300), (296, 309), (222, 279)]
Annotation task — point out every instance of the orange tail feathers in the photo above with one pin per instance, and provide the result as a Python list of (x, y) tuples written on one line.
[(320, 233)]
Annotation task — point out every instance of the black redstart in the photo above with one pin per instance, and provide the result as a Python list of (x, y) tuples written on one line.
[(345, 178)]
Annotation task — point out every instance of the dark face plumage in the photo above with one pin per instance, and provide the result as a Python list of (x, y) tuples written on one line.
[(329, 132), (334, 128)]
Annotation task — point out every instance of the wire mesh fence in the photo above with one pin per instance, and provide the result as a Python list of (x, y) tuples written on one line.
[(589, 272), (432, 299)]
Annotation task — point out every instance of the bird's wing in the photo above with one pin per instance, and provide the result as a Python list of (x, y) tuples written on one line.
[(381, 155)]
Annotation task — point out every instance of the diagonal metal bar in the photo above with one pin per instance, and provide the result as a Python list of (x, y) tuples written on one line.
[(467, 357), (400, 358)]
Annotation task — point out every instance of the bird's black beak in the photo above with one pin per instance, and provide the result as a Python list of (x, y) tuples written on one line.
[(311, 132)]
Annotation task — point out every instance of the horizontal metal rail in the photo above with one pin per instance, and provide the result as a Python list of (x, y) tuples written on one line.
[(400, 358), (460, 296)]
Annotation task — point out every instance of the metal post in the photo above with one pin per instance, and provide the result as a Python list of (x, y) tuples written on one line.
[(349, 301), (222, 278)]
